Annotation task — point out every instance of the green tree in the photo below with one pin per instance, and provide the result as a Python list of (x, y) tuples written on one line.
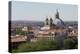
[(41, 45), (70, 43), (20, 32)]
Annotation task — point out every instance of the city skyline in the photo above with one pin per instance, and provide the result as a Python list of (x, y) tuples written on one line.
[(29, 11)]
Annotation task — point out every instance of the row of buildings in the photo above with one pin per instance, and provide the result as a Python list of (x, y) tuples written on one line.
[(49, 31)]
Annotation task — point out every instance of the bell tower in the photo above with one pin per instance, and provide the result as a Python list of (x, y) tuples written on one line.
[(46, 23)]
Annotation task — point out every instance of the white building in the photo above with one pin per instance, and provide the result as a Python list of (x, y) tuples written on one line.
[(25, 29)]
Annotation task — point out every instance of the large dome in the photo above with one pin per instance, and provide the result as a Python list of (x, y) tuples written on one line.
[(58, 22)]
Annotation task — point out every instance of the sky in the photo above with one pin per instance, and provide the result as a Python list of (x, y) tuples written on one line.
[(32, 11)]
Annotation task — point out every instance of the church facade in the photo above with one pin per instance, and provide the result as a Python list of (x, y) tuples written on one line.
[(49, 30)]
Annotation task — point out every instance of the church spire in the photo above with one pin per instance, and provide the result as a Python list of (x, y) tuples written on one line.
[(57, 14)]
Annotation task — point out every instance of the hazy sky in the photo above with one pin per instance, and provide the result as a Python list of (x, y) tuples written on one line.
[(39, 11)]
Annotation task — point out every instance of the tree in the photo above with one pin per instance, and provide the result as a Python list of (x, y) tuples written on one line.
[(70, 43), (20, 32), (41, 45)]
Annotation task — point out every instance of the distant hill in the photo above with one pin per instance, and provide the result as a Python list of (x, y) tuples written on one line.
[(37, 23), (26, 23)]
